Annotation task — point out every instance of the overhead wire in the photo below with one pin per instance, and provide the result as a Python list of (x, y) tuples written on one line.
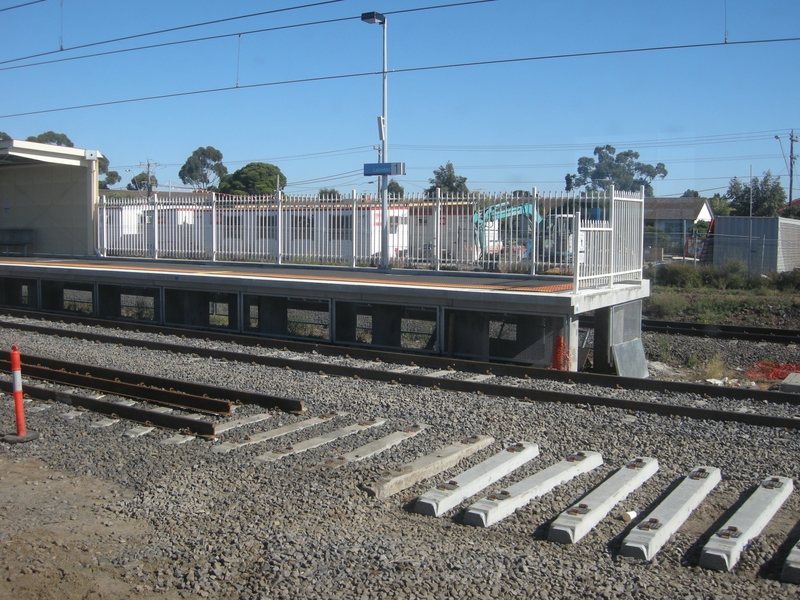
[(22, 5), (204, 38), (157, 32), (403, 70)]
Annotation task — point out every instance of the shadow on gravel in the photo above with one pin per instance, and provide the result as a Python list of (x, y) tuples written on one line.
[(773, 567), (615, 544), (691, 558)]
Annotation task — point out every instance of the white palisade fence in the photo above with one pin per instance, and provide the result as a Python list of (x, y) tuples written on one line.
[(594, 239)]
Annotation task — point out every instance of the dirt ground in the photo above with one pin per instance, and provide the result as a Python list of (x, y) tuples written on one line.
[(58, 540)]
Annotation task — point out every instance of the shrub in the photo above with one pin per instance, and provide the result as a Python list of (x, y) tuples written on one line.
[(679, 274), (788, 281)]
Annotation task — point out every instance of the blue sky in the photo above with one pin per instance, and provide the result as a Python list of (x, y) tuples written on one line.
[(709, 113)]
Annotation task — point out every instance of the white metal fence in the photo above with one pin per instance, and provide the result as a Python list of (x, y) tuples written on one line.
[(529, 233)]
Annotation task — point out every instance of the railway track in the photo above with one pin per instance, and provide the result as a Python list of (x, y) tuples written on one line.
[(169, 394), (274, 489), (490, 379), (735, 332)]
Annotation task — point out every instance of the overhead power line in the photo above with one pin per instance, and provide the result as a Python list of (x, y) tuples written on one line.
[(149, 33), (406, 70), (22, 5), (204, 38)]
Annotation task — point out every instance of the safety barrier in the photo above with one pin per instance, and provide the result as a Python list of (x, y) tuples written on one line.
[(594, 238)]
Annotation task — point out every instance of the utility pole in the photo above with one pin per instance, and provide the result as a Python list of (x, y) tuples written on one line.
[(792, 158)]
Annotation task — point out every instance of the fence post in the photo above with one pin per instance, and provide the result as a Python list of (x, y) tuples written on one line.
[(213, 226), (611, 258), (437, 231), (354, 229), (279, 194), (534, 229), (155, 225), (101, 222), (576, 251)]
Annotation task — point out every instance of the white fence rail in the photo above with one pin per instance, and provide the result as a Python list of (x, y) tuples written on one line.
[(531, 233)]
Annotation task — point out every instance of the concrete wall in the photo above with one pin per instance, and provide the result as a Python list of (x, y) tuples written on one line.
[(56, 201)]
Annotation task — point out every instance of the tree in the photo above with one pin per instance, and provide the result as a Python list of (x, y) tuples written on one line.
[(139, 182), (719, 205), (254, 179), (768, 196), (395, 189), (445, 179), (4, 136), (51, 137), (329, 193), (690, 194), (204, 168), (620, 170)]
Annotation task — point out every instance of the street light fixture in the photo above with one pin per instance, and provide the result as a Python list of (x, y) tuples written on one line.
[(380, 19)]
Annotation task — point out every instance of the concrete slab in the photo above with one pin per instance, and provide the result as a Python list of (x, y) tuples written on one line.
[(396, 480), (495, 508), (72, 414), (375, 447), (447, 495), (791, 383), (325, 438), (651, 534), (138, 431), (791, 568), (723, 550), (177, 440), (104, 423), (226, 447), (578, 520), (228, 425)]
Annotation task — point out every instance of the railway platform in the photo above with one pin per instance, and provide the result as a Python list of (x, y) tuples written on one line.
[(531, 319)]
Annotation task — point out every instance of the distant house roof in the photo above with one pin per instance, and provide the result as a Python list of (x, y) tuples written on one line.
[(683, 209)]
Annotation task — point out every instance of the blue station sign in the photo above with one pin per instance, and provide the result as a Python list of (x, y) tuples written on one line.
[(395, 168)]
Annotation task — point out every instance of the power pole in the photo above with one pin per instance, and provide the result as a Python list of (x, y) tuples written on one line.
[(792, 158)]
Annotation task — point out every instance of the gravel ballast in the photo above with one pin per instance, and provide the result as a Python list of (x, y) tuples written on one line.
[(227, 526)]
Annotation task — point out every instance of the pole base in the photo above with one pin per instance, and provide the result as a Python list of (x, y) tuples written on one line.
[(13, 438)]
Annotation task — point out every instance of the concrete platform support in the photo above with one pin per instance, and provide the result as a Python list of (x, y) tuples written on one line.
[(723, 550), (467, 334), (387, 325), (273, 315), (653, 532), (603, 357), (345, 322), (184, 307), (618, 340), (18, 292), (52, 295)]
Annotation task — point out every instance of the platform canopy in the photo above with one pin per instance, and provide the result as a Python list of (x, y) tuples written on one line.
[(19, 152)]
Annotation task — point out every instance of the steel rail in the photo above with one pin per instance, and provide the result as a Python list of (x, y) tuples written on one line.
[(188, 425), (737, 332), (160, 387), (529, 394), (58, 373), (434, 362)]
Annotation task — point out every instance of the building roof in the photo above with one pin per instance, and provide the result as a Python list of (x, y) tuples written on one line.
[(683, 209), (20, 152)]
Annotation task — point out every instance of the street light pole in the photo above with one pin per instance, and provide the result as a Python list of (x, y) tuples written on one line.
[(376, 17)]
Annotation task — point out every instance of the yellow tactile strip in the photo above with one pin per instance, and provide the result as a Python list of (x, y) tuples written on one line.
[(561, 287)]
